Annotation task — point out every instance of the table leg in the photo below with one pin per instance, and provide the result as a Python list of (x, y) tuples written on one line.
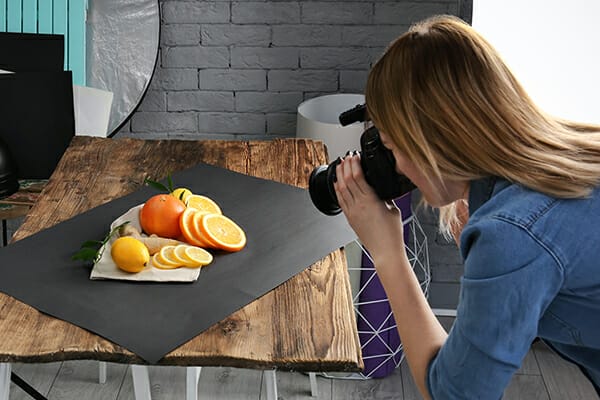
[(313, 384), (270, 378), (191, 382), (4, 233), (101, 371), (141, 382), (4, 380)]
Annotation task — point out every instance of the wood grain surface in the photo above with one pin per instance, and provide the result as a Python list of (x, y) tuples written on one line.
[(307, 323)]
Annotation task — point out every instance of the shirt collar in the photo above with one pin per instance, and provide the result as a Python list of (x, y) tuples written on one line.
[(480, 191)]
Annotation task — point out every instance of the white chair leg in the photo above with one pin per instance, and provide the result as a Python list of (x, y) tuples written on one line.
[(313, 384), (192, 375), (101, 372), (270, 378), (4, 380), (141, 382)]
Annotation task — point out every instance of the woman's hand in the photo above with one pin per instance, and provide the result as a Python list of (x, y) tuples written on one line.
[(377, 224)]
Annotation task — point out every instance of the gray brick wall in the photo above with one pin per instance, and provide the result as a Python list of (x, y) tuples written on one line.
[(239, 69), (260, 59)]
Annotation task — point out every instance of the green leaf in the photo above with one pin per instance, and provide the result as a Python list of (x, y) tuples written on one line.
[(169, 182), (91, 250), (92, 244), (85, 254), (157, 185)]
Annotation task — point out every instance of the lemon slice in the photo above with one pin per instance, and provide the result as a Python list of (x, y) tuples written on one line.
[(158, 263), (184, 260), (198, 255), (165, 257)]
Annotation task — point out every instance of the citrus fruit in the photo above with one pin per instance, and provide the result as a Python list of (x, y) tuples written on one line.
[(203, 203), (222, 232), (129, 254), (160, 216), (197, 231), (186, 224), (197, 255), (165, 256), (158, 263), (181, 193), (180, 254)]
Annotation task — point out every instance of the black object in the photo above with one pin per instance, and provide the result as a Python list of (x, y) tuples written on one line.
[(8, 172), (23, 52), (37, 119), (31, 52), (8, 181), (27, 388), (356, 114), (377, 163), (286, 234), (9, 185)]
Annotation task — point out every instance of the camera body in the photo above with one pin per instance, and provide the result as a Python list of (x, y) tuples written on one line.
[(377, 162)]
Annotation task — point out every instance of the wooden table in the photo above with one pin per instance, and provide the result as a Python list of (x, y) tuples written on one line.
[(18, 204), (306, 324)]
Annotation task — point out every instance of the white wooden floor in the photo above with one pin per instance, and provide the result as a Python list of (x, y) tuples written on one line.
[(544, 376)]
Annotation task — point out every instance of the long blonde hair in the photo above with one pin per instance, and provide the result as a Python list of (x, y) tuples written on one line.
[(447, 100)]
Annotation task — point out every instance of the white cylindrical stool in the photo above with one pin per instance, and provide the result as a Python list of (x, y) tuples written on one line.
[(318, 120)]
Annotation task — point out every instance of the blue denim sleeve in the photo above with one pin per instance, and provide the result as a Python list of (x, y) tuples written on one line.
[(510, 278)]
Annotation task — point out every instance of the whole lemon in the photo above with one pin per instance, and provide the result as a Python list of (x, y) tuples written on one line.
[(129, 254)]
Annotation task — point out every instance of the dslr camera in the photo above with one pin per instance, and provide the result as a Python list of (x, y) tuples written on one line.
[(377, 163)]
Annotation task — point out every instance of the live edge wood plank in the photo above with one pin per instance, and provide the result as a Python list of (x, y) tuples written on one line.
[(307, 323)]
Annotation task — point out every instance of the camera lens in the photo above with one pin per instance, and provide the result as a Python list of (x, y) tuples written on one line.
[(320, 187)]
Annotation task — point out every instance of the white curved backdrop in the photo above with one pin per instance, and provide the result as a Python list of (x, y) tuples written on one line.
[(553, 48)]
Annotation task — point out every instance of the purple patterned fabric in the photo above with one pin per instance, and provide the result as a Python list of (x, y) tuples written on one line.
[(377, 332)]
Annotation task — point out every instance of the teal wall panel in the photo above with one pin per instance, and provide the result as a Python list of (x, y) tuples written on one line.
[(14, 16), (30, 16), (77, 13), (59, 22), (45, 16), (2, 15)]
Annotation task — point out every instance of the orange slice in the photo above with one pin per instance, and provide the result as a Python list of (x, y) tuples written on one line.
[(186, 223), (180, 254), (202, 203), (198, 255), (197, 230), (158, 263), (222, 231)]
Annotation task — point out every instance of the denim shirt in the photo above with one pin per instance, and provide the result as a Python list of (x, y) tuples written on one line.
[(531, 269)]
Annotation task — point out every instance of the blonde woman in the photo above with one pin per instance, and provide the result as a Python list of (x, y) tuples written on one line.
[(464, 131)]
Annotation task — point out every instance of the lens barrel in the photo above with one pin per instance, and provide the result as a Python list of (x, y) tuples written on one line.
[(320, 187)]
